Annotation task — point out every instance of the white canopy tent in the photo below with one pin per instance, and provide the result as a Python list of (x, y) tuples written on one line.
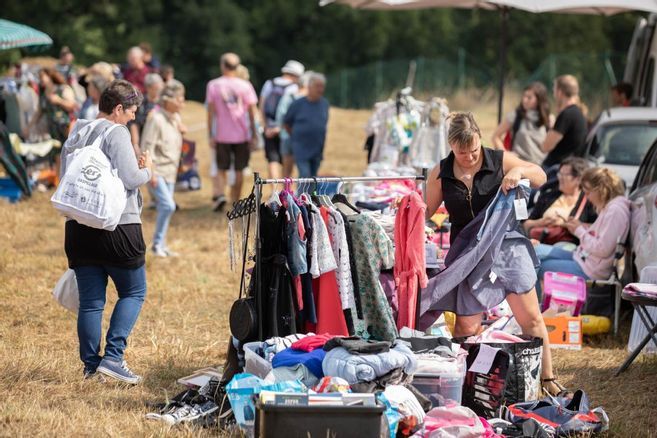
[(592, 7)]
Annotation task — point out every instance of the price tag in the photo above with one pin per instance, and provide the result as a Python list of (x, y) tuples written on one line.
[(484, 361), (520, 205)]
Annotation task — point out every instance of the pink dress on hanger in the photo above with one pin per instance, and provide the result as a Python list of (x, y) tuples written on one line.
[(410, 260)]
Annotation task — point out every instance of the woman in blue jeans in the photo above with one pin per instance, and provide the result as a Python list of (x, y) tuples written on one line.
[(95, 254), (162, 138)]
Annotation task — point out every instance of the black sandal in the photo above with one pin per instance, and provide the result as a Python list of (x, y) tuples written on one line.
[(563, 392)]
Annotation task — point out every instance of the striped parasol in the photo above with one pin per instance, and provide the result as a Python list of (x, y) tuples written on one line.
[(15, 35)]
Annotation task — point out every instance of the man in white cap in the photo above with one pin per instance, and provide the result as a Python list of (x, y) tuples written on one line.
[(270, 96)]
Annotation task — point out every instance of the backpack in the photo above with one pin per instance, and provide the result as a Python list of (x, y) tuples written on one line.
[(90, 191), (273, 99)]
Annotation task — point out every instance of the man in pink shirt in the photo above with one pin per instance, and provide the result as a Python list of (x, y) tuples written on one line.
[(232, 106)]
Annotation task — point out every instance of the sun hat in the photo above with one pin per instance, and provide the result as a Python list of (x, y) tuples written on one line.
[(293, 68)]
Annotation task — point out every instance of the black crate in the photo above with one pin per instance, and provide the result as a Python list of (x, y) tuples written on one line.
[(273, 421)]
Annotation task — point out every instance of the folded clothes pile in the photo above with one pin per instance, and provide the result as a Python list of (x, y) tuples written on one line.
[(376, 364)]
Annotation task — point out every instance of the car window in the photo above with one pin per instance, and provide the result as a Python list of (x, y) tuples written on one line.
[(624, 144)]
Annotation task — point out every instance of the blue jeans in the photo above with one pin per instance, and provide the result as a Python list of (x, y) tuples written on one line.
[(166, 206), (555, 259), (92, 284), (308, 168)]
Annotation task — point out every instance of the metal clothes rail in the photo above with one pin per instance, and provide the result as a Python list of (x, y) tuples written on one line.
[(257, 187)]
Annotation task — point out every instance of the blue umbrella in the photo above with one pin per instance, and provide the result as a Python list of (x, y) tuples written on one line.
[(15, 35)]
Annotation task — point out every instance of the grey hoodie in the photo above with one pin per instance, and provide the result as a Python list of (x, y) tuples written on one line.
[(118, 148)]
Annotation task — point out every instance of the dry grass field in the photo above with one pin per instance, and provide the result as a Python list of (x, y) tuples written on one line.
[(184, 322)]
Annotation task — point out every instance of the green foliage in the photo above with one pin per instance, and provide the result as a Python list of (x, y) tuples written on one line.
[(192, 34)]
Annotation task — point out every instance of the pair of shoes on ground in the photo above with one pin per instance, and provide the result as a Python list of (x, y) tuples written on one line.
[(218, 203), (181, 413), (114, 369), (163, 251)]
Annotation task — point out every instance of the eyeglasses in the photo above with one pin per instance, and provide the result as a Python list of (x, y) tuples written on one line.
[(564, 175)]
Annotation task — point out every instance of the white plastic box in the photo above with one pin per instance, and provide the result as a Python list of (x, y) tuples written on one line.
[(255, 364)]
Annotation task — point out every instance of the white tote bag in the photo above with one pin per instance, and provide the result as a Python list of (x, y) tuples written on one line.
[(66, 291), (90, 191)]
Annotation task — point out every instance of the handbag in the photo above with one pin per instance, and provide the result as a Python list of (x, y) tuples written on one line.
[(555, 233), (66, 291)]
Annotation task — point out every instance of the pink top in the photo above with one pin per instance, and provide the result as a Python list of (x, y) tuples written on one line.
[(410, 263), (231, 98), (597, 243)]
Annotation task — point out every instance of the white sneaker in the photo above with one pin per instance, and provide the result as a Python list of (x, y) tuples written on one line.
[(170, 253), (158, 251)]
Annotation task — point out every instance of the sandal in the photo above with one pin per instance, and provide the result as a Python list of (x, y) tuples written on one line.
[(563, 392)]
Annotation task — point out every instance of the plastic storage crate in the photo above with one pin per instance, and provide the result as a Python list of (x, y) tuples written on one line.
[(254, 364), (441, 390)]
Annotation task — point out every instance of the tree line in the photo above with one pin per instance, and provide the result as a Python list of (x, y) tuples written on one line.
[(191, 34)]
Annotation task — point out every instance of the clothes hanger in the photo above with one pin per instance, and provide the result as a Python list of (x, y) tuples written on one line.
[(275, 199), (340, 198), (313, 194)]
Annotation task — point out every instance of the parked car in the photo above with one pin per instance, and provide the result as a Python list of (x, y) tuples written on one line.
[(620, 139), (643, 227)]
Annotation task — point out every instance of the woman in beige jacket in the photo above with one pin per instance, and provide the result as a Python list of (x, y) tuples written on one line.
[(162, 137)]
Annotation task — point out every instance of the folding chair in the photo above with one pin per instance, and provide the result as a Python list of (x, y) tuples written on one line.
[(614, 280), (640, 303)]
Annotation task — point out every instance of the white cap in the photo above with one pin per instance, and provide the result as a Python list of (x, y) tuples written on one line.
[(293, 68)]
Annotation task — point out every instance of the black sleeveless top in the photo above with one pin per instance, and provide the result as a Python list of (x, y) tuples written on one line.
[(463, 205)]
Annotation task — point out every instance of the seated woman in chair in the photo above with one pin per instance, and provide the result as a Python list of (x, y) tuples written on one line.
[(594, 256), (554, 207)]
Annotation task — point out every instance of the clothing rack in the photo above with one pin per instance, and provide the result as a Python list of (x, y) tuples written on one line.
[(257, 188)]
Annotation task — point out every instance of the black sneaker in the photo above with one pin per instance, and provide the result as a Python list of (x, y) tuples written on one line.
[(89, 374), (219, 204), (187, 413)]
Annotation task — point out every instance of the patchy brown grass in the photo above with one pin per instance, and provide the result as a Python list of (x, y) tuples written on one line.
[(184, 322)]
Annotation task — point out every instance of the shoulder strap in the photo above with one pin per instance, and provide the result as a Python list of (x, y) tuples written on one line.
[(516, 124), (102, 136), (580, 209)]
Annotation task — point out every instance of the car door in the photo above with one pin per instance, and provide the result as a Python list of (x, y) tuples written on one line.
[(643, 226), (639, 70)]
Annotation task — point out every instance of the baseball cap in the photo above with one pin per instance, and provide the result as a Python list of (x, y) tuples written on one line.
[(293, 68)]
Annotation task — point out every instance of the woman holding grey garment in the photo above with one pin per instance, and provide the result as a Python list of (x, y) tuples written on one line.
[(468, 180), (95, 254)]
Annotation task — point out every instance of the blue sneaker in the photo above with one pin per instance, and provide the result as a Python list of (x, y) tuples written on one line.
[(118, 370)]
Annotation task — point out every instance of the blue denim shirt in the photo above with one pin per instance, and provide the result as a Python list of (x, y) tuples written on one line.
[(296, 246)]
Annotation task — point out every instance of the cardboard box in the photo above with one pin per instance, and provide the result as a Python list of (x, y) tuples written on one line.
[(564, 331)]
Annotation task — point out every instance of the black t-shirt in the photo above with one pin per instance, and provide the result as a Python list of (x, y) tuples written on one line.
[(571, 123), (122, 248)]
